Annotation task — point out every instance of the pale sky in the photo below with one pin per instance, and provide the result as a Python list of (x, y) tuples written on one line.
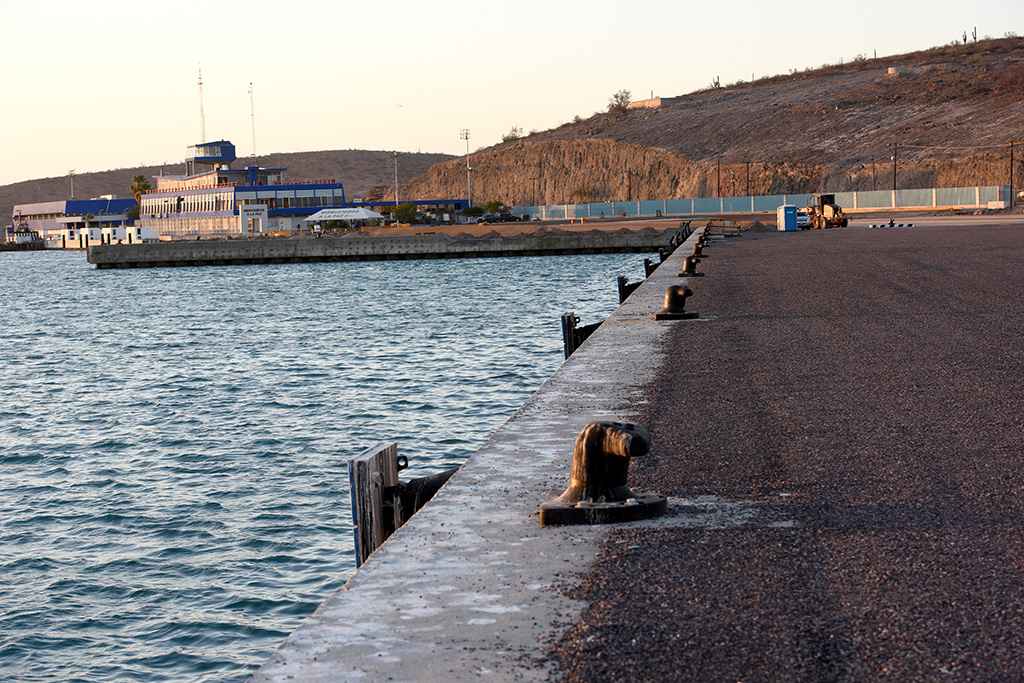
[(110, 83)]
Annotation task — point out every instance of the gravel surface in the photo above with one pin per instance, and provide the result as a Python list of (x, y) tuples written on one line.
[(856, 394)]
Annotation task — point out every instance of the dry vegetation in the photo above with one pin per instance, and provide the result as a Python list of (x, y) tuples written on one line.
[(831, 126)]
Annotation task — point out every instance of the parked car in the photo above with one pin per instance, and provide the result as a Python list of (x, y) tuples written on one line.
[(503, 217)]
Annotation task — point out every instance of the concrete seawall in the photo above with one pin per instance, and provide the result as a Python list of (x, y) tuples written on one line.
[(471, 586), (364, 248)]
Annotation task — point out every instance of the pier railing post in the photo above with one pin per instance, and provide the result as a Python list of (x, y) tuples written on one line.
[(370, 475), (381, 503)]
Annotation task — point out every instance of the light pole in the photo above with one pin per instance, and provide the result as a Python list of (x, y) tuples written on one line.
[(464, 135), (396, 180), (1013, 195), (71, 178), (895, 162)]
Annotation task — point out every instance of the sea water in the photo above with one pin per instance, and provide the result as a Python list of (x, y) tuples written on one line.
[(173, 490)]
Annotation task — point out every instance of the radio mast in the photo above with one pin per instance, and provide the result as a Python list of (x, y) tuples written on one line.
[(252, 118), (202, 109)]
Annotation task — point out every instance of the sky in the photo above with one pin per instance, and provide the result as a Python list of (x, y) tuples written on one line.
[(111, 84)]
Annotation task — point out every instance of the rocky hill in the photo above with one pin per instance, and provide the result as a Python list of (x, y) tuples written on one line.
[(360, 170), (952, 110)]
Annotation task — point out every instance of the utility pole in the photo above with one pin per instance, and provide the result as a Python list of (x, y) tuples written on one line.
[(719, 192), (464, 135), (874, 175), (71, 178), (748, 179), (895, 162), (396, 179)]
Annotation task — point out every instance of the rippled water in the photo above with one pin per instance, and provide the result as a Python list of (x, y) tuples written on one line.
[(173, 492)]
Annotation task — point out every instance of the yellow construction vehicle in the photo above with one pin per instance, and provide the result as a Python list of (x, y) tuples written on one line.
[(824, 213)]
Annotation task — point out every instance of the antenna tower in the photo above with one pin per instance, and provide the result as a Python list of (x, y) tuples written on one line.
[(252, 117), (202, 109)]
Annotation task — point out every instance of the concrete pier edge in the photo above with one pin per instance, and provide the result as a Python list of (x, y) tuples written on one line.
[(472, 586), (368, 248)]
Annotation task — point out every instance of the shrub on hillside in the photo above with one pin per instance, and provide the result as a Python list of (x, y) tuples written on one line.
[(619, 102)]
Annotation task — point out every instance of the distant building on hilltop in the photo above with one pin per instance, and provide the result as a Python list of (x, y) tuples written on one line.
[(652, 103), (214, 200)]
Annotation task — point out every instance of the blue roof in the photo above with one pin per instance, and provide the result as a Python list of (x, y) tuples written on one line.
[(98, 207), (418, 202), (290, 186)]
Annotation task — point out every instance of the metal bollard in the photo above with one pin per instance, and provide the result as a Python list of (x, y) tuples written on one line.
[(690, 267), (598, 492), (674, 304)]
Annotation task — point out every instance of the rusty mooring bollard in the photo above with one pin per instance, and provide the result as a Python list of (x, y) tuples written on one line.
[(674, 304), (690, 267), (597, 491), (698, 250)]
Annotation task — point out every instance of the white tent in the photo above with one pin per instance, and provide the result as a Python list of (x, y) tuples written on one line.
[(351, 214)]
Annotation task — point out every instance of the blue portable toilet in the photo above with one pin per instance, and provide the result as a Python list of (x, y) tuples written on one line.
[(786, 218)]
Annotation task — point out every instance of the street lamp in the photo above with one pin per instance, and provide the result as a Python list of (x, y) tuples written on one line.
[(396, 179), (464, 135)]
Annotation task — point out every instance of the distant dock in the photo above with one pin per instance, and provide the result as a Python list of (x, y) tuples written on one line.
[(377, 248)]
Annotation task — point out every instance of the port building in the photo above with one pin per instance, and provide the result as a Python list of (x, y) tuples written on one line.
[(57, 222), (212, 199)]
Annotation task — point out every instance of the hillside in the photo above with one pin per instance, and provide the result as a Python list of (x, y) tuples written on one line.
[(359, 170), (834, 126)]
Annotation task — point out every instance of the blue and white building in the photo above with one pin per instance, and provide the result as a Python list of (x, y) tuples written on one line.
[(211, 198), (59, 223)]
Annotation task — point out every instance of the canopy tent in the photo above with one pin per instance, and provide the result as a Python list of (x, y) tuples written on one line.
[(351, 214)]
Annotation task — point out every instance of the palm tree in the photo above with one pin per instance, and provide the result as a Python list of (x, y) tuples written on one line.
[(140, 186)]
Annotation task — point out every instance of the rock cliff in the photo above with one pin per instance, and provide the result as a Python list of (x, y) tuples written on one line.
[(952, 111)]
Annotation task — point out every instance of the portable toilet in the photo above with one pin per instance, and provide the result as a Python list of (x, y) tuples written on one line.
[(786, 218)]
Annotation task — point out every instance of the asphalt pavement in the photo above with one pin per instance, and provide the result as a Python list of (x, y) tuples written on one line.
[(842, 439)]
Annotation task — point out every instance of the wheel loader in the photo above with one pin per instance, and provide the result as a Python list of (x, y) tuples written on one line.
[(823, 212)]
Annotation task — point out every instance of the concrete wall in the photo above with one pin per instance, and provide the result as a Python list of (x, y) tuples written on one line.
[(947, 198), (363, 248), (652, 103)]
